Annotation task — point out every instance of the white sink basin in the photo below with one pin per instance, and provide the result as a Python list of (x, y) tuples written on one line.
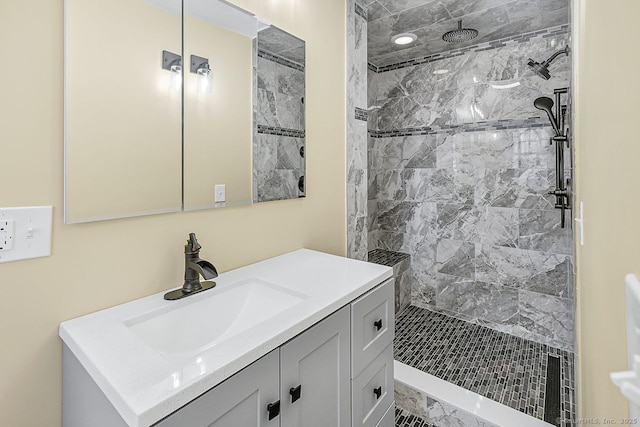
[(190, 327)]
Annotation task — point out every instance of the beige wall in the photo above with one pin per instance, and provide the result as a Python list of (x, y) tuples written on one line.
[(608, 154), (97, 265)]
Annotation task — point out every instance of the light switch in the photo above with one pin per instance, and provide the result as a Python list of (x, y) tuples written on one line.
[(25, 233), (221, 193)]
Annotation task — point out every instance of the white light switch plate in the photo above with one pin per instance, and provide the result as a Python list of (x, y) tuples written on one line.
[(221, 193), (31, 232)]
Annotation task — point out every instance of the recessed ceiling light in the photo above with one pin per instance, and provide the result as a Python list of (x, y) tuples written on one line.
[(442, 71), (404, 38)]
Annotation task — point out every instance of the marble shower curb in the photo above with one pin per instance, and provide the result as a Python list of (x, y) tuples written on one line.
[(443, 404)]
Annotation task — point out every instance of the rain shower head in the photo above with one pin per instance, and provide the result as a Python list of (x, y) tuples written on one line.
[(542, 69), (546, 104), (460, 34)]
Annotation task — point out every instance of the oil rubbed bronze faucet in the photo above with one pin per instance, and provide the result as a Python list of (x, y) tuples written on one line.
[(194, 267)]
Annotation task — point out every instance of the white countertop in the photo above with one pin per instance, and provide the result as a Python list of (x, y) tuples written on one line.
[(145, 386)]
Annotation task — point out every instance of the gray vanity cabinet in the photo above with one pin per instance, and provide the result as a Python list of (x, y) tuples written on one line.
[(308, 377)]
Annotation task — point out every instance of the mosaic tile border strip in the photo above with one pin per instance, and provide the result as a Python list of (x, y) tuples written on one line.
[(499, 366), (279, 59), (532, 122), (361, 114), (270, 130), (386, 257), (407, 419), (495, 44), (360, 11)]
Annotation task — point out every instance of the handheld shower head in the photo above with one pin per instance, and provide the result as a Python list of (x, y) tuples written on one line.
[(546, 104), (542, 69)]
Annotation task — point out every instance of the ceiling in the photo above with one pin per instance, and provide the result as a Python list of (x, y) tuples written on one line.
[(430, 19), (279, 42)]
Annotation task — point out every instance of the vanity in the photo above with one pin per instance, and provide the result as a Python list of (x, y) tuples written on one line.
[(302, 339)]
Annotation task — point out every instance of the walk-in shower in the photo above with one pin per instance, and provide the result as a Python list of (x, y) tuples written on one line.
[(458, 192)]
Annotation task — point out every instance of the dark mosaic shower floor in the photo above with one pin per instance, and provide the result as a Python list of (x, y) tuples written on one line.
[(499, 366), (405, 419)]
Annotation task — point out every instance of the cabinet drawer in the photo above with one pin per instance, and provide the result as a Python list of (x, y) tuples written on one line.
[(372, 390), (389, 418), (372, 326)]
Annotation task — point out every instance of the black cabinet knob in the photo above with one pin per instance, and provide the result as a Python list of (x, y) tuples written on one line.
[(378, 324), (273, 409), (378, 392), (295, 393)]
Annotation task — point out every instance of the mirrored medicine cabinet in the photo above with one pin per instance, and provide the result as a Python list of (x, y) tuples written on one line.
[(175, 105)]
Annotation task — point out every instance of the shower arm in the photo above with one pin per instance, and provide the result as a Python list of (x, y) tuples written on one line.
[(555, 55)]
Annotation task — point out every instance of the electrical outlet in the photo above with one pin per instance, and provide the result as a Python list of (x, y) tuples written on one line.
[(27, 234), (221, 193), (6, 234)]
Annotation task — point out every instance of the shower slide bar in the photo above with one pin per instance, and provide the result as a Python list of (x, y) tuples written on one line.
[(561, 193), (561, 137)]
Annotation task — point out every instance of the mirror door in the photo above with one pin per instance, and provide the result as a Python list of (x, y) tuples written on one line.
[(218, 104), (123, 112)]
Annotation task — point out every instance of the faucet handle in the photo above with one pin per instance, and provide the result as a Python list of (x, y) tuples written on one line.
[(192, 247)]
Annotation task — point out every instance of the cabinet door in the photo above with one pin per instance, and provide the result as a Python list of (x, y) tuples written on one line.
[(318, 362), (240, 401)]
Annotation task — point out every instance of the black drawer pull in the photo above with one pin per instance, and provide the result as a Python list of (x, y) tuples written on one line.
[(378, 324), (378, 392), (295, 393), (274, 409)]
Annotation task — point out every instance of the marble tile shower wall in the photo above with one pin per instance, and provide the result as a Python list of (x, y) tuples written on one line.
[(357, 230), (461, 185), (277, 157)]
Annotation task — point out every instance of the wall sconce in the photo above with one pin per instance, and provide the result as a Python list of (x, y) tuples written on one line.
[(200, 66), (171, 61)]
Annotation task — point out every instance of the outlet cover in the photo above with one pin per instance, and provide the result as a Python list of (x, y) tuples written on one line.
[(6, 235), (31, 232)]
